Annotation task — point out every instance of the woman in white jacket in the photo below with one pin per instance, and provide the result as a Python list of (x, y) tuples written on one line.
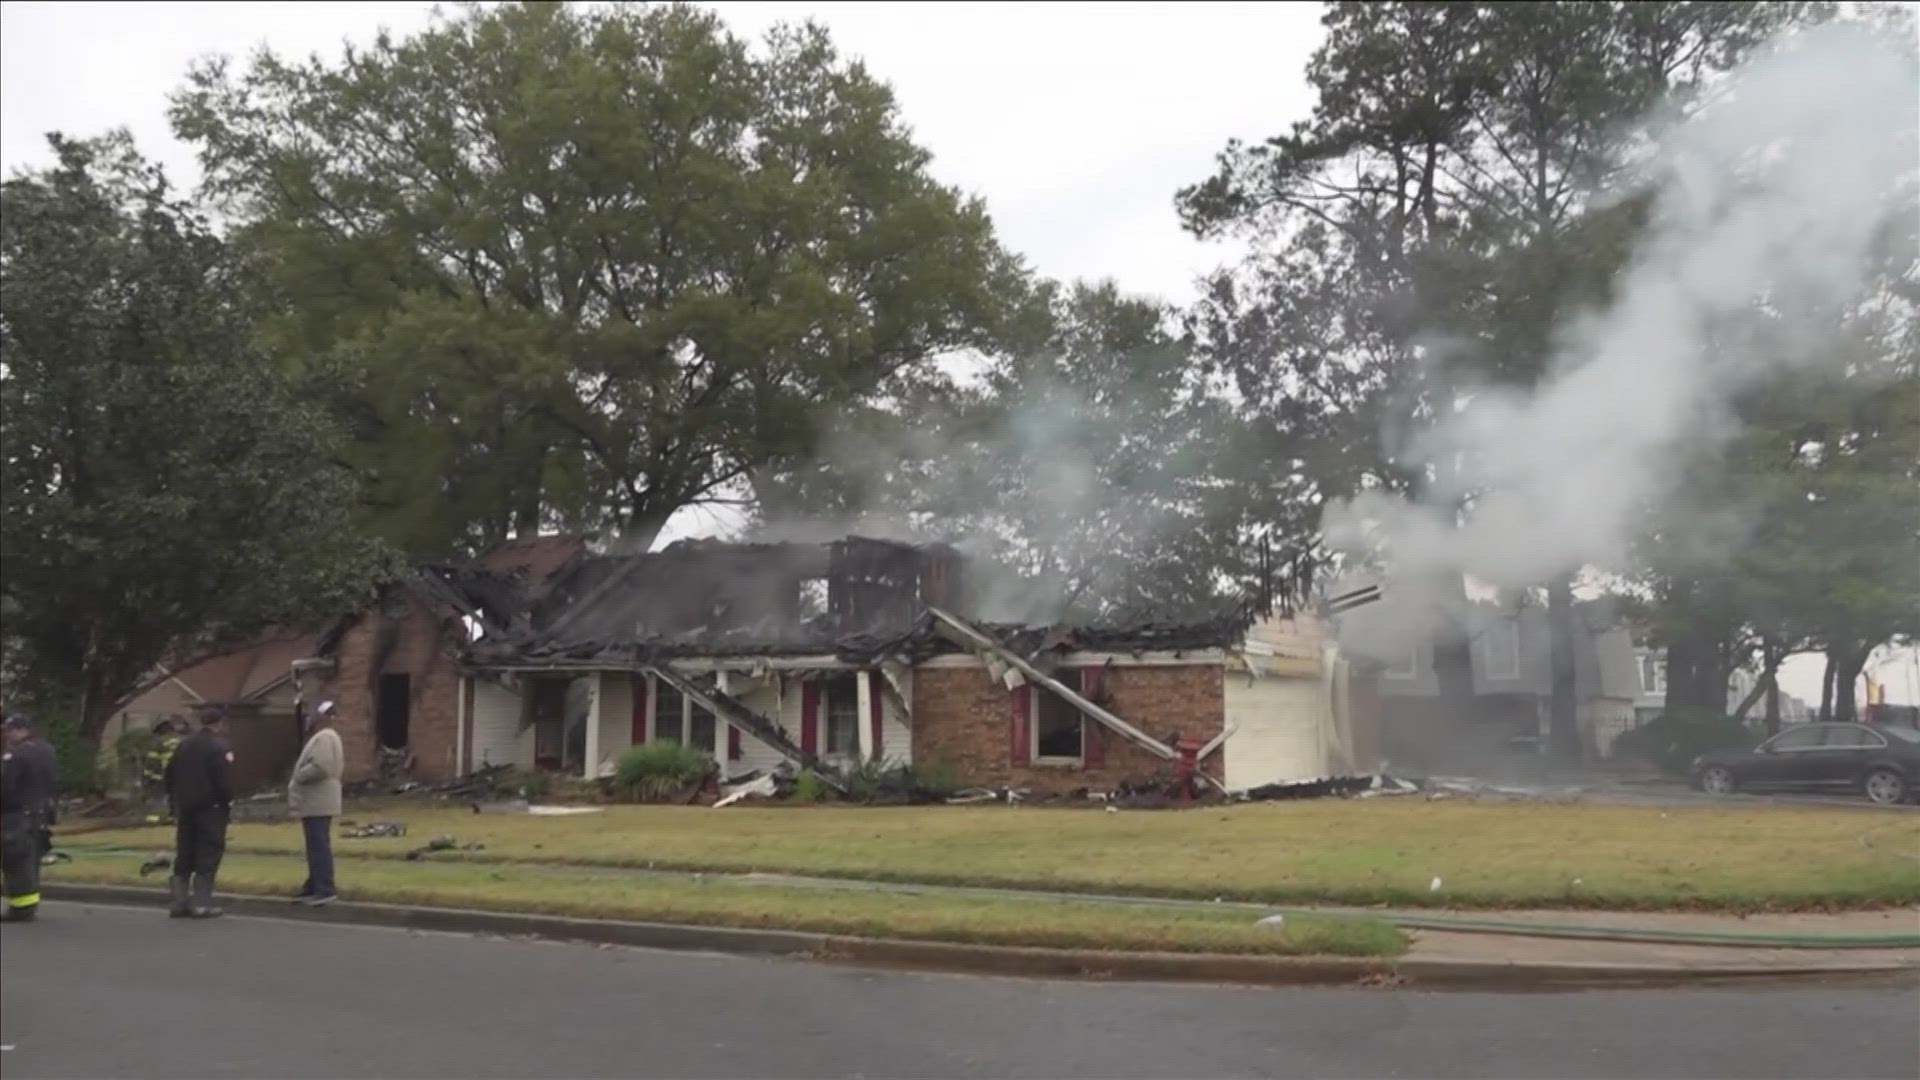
[(313, 796)]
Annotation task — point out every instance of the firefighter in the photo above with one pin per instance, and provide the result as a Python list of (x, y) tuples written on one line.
[(28, 784), (199, 781), (166, 739)]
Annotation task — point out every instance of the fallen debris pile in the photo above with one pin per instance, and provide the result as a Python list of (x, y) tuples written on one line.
[(373, 830), (1341, 786), (441, 843)]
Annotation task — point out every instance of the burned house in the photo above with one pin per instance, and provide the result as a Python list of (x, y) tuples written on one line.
[(825, 655)]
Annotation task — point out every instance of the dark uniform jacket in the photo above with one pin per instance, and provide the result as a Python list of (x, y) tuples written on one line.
[(200, 773), (28, 777)]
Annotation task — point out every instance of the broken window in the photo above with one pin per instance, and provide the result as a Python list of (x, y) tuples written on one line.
[(669, 713), (843, 714), (813, 598), (1653, 673), (393, 710), (1059, 735)]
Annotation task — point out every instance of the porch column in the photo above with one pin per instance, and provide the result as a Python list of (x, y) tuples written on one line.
[(720, 728), (864, 681), (596, 694)]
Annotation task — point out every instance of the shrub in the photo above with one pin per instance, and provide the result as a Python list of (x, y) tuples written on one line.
[(657, 769), (895, 783), (1673, 740), (808, 787)]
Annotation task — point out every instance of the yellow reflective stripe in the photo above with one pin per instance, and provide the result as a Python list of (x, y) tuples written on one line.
[(28, 900)]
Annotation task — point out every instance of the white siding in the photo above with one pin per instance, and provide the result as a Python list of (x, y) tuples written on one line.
[(498, 738), (760, 696), (616, 714), (896, 738), (1283, 730)]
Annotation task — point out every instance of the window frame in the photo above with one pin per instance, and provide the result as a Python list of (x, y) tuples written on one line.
[(833, 689), (683, 730), (1038, 704), (1411, 656), (1875, 740), (1654, 665)]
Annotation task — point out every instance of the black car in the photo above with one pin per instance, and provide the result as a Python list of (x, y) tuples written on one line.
[(1881, 762)]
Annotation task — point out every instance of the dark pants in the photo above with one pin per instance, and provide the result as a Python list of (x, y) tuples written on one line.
[(319, 834), (200, 841), (20, 857)]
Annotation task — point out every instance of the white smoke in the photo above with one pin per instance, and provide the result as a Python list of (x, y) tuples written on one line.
[(1771, 197)]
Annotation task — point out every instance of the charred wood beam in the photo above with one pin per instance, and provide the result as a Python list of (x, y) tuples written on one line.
[(966, 635), (728, 708)]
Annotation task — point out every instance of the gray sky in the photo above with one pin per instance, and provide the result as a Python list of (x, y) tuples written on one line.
[(1076, 122)]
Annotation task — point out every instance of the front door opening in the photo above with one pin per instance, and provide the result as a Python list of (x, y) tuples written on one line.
[(393, 710)]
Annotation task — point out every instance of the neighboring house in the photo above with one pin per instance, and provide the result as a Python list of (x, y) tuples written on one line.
[(1513, 685), (253, 684), (541, 655), (1650, 665)]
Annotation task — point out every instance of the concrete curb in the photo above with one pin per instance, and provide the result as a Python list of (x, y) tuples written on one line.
[(1024, 962)]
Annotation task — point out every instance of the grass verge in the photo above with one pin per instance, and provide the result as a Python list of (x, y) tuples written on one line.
[(1329, 851), (613, 895)]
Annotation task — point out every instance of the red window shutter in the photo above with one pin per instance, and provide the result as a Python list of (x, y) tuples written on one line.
[(1093, 746), (877, 708), (1020, 708), (640, 686), (733, 743), (810, 717)]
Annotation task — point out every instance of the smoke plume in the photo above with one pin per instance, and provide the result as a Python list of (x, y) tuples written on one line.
[(1772, 197)]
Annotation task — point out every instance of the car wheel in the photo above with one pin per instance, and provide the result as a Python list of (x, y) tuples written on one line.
[(1886, 787), (1717, 780)]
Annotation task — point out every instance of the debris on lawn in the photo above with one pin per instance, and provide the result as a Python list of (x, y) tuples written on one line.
[(158, 861), (563, 811), (763, 787), (502, 806), (1309, 789), (442, 843), (1273, 922), (969, 796), (373, 830), (55, 856)]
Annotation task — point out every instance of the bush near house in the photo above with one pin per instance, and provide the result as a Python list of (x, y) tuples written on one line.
[(1672, 740), (659, 771)]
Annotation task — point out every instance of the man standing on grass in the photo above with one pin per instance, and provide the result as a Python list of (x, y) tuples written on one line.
[(29, 781), (199, 782), (313, 796)]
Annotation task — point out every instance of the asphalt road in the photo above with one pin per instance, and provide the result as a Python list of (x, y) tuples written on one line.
[(111, 992)]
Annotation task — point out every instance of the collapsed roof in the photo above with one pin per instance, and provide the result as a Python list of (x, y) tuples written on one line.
[(857, 598)]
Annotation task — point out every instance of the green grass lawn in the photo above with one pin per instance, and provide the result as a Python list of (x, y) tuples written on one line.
[(1337, 851), (613, 894)]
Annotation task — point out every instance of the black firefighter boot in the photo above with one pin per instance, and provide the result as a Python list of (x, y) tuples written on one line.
[(182, 905), (203, 898)]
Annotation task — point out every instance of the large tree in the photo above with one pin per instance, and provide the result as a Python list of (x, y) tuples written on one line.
[(1427, 227), (590, 265), (166, 490)]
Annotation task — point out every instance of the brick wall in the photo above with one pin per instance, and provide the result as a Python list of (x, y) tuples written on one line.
[(416, 651), (961, 717)]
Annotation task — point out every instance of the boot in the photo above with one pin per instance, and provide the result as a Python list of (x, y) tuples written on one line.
[(182, 907), (22, 914), (203, 898)]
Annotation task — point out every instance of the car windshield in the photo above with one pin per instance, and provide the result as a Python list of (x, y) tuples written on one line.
[(1903, 734)]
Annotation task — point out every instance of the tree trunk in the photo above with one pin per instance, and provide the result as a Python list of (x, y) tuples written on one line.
[(1826, 684), (1753, 697), (1773, 704), (1563, 725), (1846, 682)]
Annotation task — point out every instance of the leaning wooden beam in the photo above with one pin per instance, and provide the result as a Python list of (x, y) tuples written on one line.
[(1219, 741), (728, 708), (976, 639)]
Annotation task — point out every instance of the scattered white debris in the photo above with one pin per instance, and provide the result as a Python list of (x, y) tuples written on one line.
[(1113, 809), (1435, 887), (1273, 922), (564, 811), (763, 788)]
